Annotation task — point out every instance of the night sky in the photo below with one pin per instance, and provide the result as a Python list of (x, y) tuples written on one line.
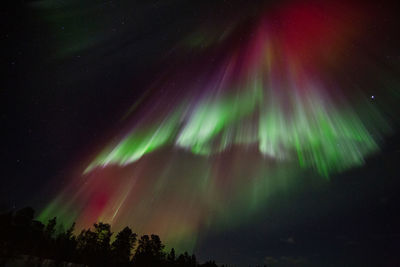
[(249, 132)]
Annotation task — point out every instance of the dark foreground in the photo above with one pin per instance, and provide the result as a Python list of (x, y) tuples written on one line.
[(27, 242)]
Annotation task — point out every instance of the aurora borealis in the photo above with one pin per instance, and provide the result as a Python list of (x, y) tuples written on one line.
[(266, 93), (263, 92), (244, 111)]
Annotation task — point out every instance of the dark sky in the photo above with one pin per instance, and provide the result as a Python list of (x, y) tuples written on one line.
[(59, 103), (72, 70)]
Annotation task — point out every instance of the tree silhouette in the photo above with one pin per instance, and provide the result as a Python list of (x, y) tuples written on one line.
[(50, 228), (20, 235), (171, 257), (103, 236), (66, 245), (149, 251), (121, 248), (94, 246)]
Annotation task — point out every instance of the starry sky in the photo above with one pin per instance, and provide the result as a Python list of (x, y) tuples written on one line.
[(248, 133)]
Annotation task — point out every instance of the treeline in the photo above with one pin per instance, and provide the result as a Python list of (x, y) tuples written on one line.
[(20, 235)]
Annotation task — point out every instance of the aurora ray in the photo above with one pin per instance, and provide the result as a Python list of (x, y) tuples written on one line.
[(239, 122), (263, 92)]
